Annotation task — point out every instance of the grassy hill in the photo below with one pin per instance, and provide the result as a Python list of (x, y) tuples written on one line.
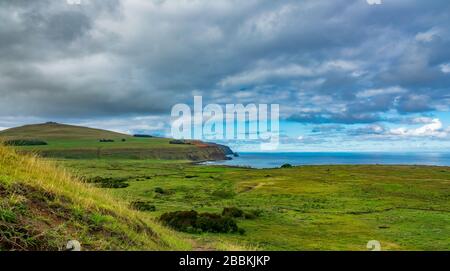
[(67, 141), (51, 130), (42, 207)]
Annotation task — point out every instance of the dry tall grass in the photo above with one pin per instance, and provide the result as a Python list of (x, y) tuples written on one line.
[(45, 175)]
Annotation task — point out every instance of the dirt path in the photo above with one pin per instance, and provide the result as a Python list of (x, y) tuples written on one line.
[(252, 187), (201, 246)]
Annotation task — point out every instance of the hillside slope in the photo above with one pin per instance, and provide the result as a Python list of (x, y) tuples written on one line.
[(52, 130), (67, 141), (42, 207)]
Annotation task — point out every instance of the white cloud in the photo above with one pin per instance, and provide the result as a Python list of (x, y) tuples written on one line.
[(423, 120), (429, 35), (377, 129), (445, 68), (132, 125), (261, 74), (381, 91), (433, 129)]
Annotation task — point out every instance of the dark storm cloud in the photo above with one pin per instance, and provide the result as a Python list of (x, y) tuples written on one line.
[(323, 61), (414, 104)]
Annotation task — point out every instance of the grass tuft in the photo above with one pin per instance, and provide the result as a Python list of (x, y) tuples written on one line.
[(42, 206)]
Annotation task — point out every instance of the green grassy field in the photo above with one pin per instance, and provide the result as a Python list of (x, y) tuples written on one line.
[(303, 208), (132, 148)]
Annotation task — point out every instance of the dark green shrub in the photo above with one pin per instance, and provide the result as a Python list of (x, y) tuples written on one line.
[(180, 142), (109, 182), (143, 206), (193, 222), (25, 142), (159, 190), (190, 176), (180, 220), (106, 140), (232, 212), (113, 184), (287, 166), (145, 136), (235, 212), (253, 214), (96, 179), (142, 178), (215, 223)]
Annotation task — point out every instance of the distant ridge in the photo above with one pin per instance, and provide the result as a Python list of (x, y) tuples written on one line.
[(76, 142), (53, 130)]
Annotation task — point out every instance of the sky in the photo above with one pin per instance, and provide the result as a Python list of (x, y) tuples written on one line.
[(347, 75)]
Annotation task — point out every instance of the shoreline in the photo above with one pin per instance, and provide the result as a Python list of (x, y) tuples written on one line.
[(276, 160), (329, 165)]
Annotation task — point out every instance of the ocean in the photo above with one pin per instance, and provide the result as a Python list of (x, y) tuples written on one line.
[(273, 160)]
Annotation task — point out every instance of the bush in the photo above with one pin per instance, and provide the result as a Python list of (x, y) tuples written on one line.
[(215, 223), (113, 184), (109, 182), (145, 136), (180, 220), (24, 142), (238, 213), (287, 166), (143, 206), (233, 212), (159, 190), (106, 140), (179, 142), (193, 222), (252, 214)]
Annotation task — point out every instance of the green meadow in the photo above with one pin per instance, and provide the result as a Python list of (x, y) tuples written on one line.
[(302, 208), (131, 148)]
